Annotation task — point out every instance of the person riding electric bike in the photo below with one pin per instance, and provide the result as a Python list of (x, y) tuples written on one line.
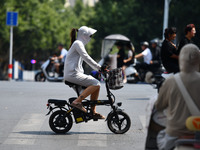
[(73, 70), (59, 60), (155, 63), (143, 67)]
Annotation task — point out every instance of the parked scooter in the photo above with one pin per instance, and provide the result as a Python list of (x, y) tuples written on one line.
[(48, 72)]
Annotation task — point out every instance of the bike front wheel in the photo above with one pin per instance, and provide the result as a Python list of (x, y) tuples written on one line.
[(60, 122), (118, 122)]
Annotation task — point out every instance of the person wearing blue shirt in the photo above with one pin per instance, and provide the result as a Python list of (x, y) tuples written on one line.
[(61, 59)]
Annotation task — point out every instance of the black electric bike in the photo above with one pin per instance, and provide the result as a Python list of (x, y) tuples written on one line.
[(61, 119)]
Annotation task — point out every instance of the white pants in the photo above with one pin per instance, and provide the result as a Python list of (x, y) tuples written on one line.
[(83, 80)]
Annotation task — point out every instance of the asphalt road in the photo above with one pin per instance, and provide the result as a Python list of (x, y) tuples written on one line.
[(24, 126)]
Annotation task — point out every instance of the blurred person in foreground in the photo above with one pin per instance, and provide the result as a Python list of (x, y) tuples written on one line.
[(190, 32), (169, 55), (171, 98)]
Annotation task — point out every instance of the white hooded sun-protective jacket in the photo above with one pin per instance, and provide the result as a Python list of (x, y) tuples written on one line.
[(73, 70)]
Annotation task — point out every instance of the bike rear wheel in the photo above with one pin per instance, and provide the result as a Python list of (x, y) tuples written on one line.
[(119, 122), (60, 122)]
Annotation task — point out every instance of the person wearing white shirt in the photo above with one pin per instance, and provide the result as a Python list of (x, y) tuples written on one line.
[(147, 56), (73, 70)]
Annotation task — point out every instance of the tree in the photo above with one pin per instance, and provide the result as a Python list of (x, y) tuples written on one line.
[(42, 24), (183, 12), (134, 19), (45, 23)]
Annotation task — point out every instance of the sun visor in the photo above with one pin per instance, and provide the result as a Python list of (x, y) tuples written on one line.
[(91, 31)]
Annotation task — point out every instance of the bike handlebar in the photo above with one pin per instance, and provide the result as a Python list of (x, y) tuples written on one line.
[(104, 69)]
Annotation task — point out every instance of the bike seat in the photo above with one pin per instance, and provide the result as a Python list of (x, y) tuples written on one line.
[(70, 84), (73, 84)]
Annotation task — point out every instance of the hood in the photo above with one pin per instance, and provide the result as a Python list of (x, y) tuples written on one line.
[(189, 58), (84, 34)]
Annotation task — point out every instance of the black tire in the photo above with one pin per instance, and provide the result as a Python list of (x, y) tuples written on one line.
[(39, 77), (118, 122), (60, 122)]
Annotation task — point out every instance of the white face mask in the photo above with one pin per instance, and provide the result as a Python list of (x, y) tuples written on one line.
[(85, 33)]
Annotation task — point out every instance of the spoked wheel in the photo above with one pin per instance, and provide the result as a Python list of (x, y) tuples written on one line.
[(39, 77), (119, 122), (60, 121)]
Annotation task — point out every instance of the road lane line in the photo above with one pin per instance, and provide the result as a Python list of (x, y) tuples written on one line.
[(93, 134), (23, 133), (143, 122)]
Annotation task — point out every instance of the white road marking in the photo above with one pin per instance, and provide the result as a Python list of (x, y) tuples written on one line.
[(93, 134), (21, 134), (143, 122)]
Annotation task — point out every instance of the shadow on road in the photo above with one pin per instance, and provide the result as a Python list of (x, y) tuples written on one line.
[(52, 133)]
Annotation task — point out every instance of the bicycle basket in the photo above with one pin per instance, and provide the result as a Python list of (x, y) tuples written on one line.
[(115, 80)]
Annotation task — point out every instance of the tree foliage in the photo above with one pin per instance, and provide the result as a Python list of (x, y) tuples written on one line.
[(42, 24), (183, 12), (130, 18)]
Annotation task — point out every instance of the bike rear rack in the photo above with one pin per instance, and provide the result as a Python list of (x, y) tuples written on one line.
[(57, 102)]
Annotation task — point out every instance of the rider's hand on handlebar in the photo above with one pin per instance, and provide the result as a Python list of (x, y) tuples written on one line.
[(104, 68), (52, 58)]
